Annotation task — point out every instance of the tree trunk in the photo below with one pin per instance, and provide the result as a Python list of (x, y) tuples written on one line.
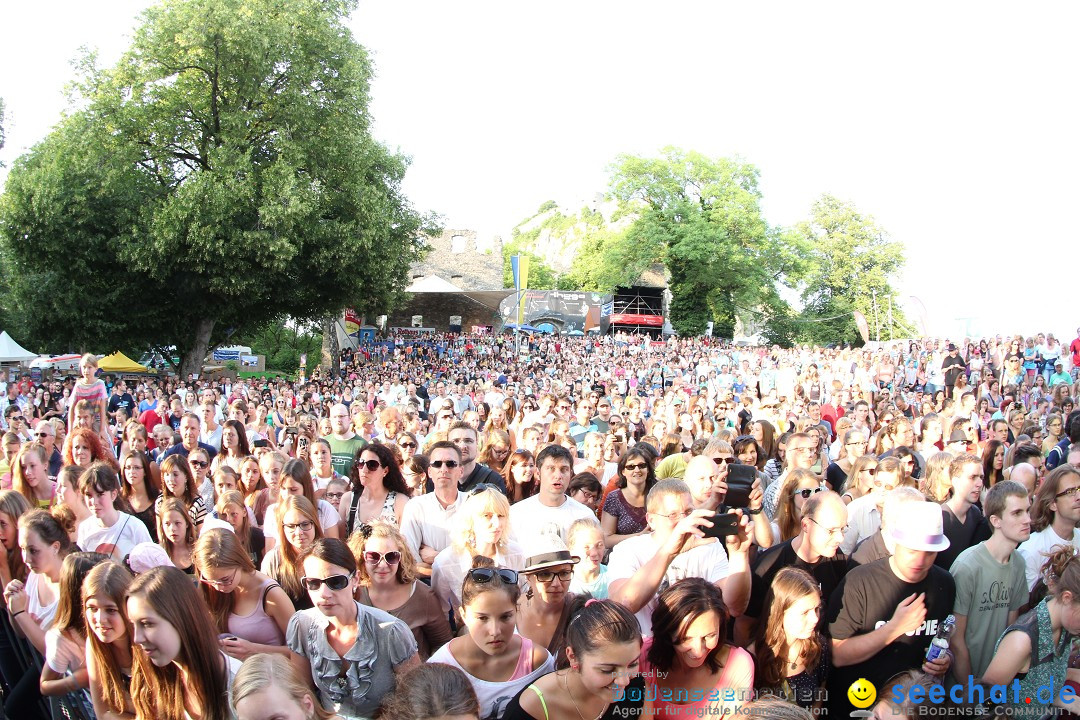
[(331, 353), (192, 361)]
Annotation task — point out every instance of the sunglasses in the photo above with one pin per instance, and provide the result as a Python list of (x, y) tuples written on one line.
[(371, 465), (334, 582), (481, 487), (407, 445), (807, 492), (374, 558), (723, 460), (486, 575), (198, 463), (448, 463), (635, 466), (42, 434)]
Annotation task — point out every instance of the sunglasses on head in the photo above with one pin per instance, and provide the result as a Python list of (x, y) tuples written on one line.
[(481, 487), (374, 558), (486, 575), (334, 582)]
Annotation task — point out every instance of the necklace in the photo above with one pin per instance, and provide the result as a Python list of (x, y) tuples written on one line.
[(566, 686)]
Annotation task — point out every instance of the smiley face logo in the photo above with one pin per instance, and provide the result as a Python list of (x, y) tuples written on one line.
[(862, 693)]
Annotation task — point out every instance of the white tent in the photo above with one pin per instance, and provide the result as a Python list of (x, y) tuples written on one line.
[(12, 352)]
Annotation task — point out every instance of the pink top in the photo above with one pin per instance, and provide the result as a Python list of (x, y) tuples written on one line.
[(733, 688), (257, 626), (524, 664)]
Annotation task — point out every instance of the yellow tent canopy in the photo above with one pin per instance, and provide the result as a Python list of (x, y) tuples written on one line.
[(118, 362)]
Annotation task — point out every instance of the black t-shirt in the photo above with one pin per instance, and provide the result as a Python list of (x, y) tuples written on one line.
[(827, 571), (961, 536), (482, 474), (952, 367), (867, 599), (124, 400), (836, 477)]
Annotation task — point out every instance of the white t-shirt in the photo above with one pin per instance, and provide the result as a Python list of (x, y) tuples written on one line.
[(328, 518), (450, 566), (117, 540), (1038, 546), (424, 521), (530, 519), (495, 696), (704, 561)]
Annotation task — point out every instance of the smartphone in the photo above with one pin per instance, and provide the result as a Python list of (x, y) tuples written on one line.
[(291, 430), (723, 524), (740, 481)]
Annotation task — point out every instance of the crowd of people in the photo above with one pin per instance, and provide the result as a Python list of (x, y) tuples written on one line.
[(597, 527)]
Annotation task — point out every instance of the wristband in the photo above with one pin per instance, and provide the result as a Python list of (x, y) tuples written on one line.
[(751, 511), (15, 615)]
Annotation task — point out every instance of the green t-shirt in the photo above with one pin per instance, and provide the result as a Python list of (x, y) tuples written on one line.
[(986, 592), (342, 452)]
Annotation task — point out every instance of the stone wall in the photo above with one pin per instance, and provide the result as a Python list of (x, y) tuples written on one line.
[(436, 309), (464, 258)]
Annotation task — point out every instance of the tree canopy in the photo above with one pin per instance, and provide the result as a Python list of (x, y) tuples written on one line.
[(220, 176)]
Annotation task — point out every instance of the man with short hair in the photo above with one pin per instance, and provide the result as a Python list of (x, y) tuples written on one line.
[(816, 549), (602, 420), (121, 399), (465, 437), (211, 430), (1059, 376), (582, 424), (344, 443), (1059, 452), (884, 615), (45, 434), (426, 519), (990, 584), (1054, 517), (962, 519), (550, 511), (676, 549), (189, 438), (16, 423), (440, 400)]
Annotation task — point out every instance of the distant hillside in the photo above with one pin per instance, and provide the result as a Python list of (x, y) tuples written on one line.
[(555, 234)]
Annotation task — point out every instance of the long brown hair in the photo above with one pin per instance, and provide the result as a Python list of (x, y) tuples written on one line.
[(179, 463), (152, 489), (158, 692), (111, 580), (786, 514), (18, 481), (788, 587), (678, 607), (290, 570), (234, 497), (14, 505), (172, 504), (72, 572), (219, 548)]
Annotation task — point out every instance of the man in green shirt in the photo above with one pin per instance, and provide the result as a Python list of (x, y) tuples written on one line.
[(344, 443)]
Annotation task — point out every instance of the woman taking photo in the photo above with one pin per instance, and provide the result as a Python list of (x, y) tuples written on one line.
[(378, 493), (519, 474), (178, 672), (387, 574), (624, 512), (296, 481), (352, 653), (792, 656), (250, 611), (689, 649), (139, 490), (109, 530), (298, 525), (603, 650), (498, 662), (480, 528), (108, 644)]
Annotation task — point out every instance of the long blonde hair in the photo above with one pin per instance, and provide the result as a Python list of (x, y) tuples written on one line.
[(18, 480), (464, 536), (263, 671), (220, 549), (111, 580)]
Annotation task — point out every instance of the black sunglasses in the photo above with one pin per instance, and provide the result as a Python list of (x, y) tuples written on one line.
[(371, 465), (807, 492), (481, 487), (486, 575), (334, 582), (448, 463)]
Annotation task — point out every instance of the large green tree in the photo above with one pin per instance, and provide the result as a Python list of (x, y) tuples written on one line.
[(220, 176), (701, 216), (851, 266)]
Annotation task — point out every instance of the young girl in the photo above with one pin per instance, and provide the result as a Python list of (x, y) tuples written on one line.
[(33, 604), (387, 574), (296, 480), (12, 507), (139, 489), (792, 657), (69, 496), (604, 648), (298, 525), (322, 468), (431, 690), (249, 609), (30, 475), (179, 672), (108, 530), (253, 488), (585, 539), (268, 686), (64, 672), (353, 653), (108, 645), (689, 649), (91, 389), (498, 662), (179, 484), (177, 533), (231, 508)]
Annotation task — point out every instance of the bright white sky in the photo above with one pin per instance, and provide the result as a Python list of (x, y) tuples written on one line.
[(953, 124)]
